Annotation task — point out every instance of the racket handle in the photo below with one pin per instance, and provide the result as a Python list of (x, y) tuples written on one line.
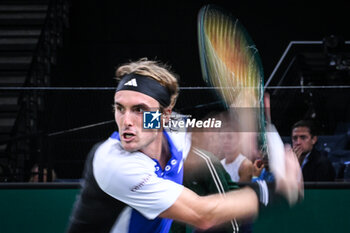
[(267, 107)]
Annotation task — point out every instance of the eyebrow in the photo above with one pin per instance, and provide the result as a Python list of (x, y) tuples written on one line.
[(141, 105), (299, 136)]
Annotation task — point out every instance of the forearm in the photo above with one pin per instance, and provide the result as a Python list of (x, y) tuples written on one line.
[(238, 204), (207, 211)]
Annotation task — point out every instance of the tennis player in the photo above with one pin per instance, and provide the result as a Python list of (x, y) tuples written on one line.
[(133, 180)]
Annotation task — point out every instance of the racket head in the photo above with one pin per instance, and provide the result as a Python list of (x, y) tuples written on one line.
[(231, 63)]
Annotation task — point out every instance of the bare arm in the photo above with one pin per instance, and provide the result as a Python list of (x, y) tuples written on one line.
[(246, 171), (206, 211)]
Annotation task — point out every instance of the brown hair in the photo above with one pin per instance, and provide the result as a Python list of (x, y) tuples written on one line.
[(153, 69)]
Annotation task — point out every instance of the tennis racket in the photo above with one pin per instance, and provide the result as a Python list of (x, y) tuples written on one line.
[(230, 63)]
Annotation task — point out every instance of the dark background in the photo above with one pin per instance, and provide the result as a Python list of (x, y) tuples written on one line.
[(104, 34)]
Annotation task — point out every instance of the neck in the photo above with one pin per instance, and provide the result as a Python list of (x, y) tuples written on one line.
[(153, 150), (302, 157), (158, 150), (165, 154), (231, 157)]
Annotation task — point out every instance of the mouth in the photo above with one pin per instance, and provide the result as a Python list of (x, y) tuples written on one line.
[(128, 136)]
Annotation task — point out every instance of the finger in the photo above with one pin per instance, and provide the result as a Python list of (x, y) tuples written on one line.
[(296, 148)]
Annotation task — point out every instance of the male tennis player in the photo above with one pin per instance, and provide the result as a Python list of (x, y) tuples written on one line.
[(132, 181)]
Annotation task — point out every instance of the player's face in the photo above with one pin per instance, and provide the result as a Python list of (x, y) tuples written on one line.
[(302, 139), (129, 108)]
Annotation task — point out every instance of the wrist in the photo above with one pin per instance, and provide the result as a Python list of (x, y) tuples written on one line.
[(262, 192)]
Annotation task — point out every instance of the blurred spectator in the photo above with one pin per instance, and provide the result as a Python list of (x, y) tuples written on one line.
[(239, 167), (315, 165), (227, 145), (34, 176)]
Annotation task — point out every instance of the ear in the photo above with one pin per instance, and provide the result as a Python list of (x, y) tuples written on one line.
[(314, 140)]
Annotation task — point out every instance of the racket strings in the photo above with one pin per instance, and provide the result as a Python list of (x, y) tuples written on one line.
[(228, 63), (231, 63)]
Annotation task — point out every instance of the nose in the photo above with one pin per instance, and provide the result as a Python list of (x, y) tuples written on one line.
[(298, 141), (128, 119), (295, 141)]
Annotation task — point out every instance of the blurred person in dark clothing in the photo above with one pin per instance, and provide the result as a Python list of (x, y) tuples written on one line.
[(315, 165)]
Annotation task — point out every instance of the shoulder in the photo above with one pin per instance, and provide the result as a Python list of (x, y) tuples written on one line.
[(318, 156), (112, 162), (324, 161), (320, 162), (246, 164)]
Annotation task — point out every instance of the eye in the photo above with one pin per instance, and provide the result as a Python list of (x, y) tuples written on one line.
[(119, 108), (139, 109)]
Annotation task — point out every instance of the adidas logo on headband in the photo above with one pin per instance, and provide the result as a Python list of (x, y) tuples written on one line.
[(145, 85), (131, 82)]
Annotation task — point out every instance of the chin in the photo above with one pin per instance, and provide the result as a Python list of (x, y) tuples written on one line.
[(129, 148)]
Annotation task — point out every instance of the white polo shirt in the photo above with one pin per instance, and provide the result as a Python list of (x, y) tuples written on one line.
[(139, 182)]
